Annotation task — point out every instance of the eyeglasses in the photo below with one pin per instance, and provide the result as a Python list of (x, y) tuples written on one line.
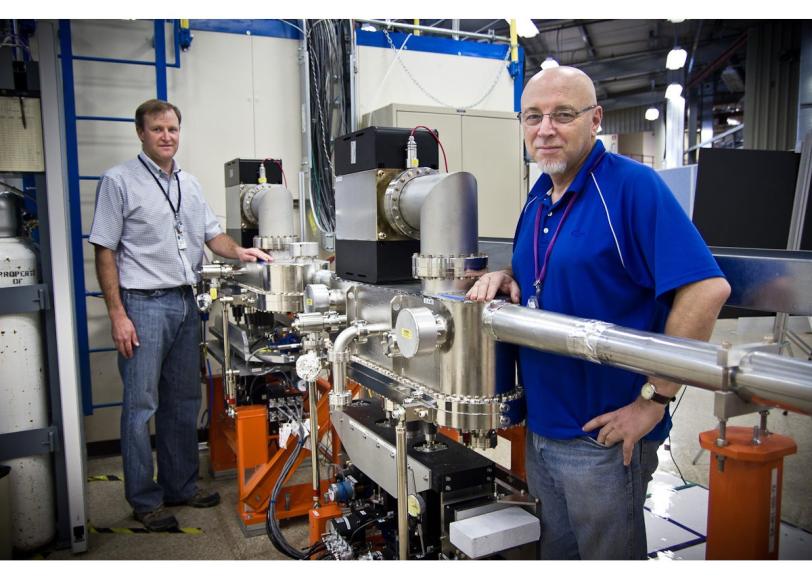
[(561, 117)]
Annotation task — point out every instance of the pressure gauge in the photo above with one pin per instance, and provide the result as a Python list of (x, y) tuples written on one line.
[(308, 366)]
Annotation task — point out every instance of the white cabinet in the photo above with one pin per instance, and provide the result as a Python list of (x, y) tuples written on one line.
[(487, 144)]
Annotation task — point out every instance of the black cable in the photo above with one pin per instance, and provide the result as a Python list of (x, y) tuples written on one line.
[(671, 453)]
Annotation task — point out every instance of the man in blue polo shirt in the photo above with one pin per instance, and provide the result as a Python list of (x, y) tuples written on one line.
[(600, 237)]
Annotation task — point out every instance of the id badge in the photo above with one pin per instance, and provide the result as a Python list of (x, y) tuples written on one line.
[(181, 241), (532, 302)]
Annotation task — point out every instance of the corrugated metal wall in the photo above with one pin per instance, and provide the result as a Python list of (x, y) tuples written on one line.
[(771, 85), (632, 120)]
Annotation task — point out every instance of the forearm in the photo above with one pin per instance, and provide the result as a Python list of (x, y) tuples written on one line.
[(693, 315), (107, 274), (225, 246)]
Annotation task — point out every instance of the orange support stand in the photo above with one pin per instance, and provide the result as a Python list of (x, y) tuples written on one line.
[(318, 518), (244, 443), (744, 505)]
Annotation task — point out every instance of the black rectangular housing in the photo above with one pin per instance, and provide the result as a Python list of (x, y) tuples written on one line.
[(239, 171), (375, 262), (382, 147)]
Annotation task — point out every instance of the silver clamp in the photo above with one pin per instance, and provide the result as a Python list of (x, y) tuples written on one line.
[(446, 267), (274, 243), (304, 250), (391, 200)]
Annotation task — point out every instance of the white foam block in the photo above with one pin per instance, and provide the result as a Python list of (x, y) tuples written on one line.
[(495, 531)]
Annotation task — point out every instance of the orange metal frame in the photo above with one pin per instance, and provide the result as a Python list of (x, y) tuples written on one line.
[(244, 444)]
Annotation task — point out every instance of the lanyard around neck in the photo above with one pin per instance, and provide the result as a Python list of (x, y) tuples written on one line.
[(161, 187), (540, 269)]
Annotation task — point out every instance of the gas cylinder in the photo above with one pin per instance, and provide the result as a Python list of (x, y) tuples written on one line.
[(23, 391)]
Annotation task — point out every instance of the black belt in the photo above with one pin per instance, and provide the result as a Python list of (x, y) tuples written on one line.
[(151, 291)]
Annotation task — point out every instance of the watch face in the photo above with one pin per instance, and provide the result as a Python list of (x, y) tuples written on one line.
[(647, 391)]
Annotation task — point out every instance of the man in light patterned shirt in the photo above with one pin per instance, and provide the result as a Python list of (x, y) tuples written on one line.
[(150, 225)]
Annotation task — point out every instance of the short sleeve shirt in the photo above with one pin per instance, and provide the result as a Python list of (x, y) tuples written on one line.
[(134, 219), (623, 250)]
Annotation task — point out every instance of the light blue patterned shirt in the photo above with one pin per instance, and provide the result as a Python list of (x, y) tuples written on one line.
[(134, 219)]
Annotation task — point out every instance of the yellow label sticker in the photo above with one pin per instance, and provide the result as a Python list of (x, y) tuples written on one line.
[(213, 293), (406, 333), (309, 301)]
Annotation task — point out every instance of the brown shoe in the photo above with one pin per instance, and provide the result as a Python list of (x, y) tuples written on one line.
[(201, 499), (157, 520)]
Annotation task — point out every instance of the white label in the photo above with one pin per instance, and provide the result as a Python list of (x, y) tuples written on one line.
[(352, 152), (428, 301)]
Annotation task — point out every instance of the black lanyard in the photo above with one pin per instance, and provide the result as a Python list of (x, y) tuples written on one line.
[(166, 195)]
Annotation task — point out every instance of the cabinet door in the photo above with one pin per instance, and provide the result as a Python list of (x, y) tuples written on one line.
[(448, 126), (492, 151)]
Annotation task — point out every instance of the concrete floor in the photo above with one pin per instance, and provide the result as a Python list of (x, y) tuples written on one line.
[(221, 538)]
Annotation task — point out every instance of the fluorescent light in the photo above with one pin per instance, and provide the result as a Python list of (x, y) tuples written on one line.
[(676, 59), (652, 114), (673, 91), (549, 62), (525, 27), (733, 122)]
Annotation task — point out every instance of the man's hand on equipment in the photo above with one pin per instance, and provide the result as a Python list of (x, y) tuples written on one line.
[(493, 283), (252, 255)]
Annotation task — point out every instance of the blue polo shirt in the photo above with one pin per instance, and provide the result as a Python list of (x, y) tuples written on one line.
[(622, 251)]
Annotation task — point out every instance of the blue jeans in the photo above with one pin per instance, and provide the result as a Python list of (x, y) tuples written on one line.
[(161, 379), (591, 504)]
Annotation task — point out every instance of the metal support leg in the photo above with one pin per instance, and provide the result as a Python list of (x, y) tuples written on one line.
[(313, 397), (403, 492)]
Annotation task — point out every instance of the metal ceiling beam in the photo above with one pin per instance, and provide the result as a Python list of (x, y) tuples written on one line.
[(720, 60), (590, 50)]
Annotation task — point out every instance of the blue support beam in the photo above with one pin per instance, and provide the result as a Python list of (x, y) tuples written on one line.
[(74, 201)]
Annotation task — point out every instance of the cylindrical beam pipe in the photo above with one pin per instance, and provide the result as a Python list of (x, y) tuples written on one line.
[(761, 377)]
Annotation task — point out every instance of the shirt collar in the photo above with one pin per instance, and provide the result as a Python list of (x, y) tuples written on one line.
[(545, 182), (154, 166)]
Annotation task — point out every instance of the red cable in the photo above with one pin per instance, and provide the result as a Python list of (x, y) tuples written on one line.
[(445, 160), (284, 179)]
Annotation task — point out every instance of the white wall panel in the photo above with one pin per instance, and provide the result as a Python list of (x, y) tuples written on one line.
[(277, 106), (214, 91), (457, 81)]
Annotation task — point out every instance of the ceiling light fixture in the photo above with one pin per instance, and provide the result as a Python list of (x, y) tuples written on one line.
[(525, 27), (549, 62), (676, 58), (673, 91), (652, 114)]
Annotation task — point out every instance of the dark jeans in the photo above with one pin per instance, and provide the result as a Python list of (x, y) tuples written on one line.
[(161, 379)]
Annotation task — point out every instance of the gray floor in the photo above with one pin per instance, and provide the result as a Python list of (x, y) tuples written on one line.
[(222, 538)]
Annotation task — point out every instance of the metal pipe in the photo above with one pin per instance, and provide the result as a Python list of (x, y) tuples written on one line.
[(313, 396), (228, 372), (304, 173), (760, 377), (403, 515), (340, 355), (444, 31)]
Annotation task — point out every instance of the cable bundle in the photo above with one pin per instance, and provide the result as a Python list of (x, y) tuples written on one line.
[(328, 42)]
